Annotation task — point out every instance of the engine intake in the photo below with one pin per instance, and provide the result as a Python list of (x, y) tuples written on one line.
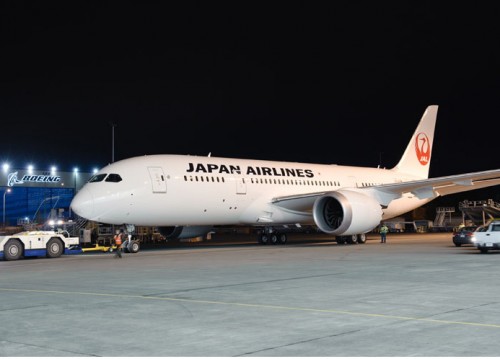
[(346, 212)]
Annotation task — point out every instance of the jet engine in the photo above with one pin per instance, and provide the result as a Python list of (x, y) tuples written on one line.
[(181, 232), (346, 212)]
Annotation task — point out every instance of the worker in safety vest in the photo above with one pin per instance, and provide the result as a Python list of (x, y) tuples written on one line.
[(383, 233), (118, 243)]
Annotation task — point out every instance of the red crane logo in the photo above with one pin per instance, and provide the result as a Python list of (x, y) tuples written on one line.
[(423, 148)]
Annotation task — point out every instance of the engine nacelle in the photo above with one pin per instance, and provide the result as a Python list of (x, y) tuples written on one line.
[(346, 212), (180, 232)]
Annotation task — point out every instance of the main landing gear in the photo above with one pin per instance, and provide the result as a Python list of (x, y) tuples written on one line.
[(353, 239), (271, 236)]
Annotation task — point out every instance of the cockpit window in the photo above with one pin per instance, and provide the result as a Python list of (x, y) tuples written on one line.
[(113, 177), (97, 178)]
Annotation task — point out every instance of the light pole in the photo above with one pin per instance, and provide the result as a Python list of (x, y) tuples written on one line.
[(5, 192), (113, 125)]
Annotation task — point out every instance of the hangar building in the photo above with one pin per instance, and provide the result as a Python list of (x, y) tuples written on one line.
[(33, 197)]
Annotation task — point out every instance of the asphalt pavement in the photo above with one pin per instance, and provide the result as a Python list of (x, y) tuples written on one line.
[(416, 295)]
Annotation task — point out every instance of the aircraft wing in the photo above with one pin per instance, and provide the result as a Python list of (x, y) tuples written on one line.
[(426, 188), (438, 186)]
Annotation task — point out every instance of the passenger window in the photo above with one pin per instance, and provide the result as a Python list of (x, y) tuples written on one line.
[(113, 177), (97, 178)]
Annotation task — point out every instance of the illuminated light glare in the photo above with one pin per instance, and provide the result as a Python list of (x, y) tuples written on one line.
[(30, 168)]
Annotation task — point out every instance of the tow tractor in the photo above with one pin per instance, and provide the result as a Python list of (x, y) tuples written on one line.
[(50, 244)]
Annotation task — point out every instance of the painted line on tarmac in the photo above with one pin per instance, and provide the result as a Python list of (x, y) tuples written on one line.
[(265, 306)]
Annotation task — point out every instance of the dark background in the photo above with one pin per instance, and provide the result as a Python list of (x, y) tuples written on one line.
[(344, 82)]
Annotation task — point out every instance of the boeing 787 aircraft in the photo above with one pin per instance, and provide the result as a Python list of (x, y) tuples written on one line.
[(188, 196)]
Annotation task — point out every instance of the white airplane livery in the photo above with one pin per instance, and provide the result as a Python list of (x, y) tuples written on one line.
[(188, 196)]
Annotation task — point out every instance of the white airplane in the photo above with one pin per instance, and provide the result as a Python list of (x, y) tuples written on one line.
[(188, 196)]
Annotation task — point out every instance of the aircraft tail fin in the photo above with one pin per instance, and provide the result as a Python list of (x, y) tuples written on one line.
[(416, 159)]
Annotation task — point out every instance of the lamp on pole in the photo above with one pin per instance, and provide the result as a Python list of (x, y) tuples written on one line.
[(75, 174), (4, 193)]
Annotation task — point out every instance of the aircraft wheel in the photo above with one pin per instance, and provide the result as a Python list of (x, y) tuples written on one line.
[(133, 247), (264, 239), (282, 238), (274, 239), (362, 238)]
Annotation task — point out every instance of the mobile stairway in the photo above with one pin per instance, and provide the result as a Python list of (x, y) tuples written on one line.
[(479, 212)]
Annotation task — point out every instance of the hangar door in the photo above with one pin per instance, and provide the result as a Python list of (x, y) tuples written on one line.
[(157, 179)]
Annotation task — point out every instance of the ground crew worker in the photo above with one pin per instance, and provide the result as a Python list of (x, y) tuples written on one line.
[(383, 233), (118, 244)]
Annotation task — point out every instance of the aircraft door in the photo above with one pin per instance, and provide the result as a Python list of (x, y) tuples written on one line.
[(157, 179), (352, 182), (241, 186)]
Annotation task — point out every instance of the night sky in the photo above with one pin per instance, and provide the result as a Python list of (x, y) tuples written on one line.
[(344, 82)]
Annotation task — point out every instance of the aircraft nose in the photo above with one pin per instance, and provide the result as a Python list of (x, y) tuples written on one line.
[(83, 203)]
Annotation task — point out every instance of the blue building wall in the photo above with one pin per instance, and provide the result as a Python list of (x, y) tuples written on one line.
[(30, 196), (35, 204)]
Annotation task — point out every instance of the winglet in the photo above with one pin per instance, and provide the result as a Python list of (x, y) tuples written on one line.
[(416, 159)]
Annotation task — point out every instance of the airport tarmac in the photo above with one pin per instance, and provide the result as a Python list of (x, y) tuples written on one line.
[(416, 295)]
